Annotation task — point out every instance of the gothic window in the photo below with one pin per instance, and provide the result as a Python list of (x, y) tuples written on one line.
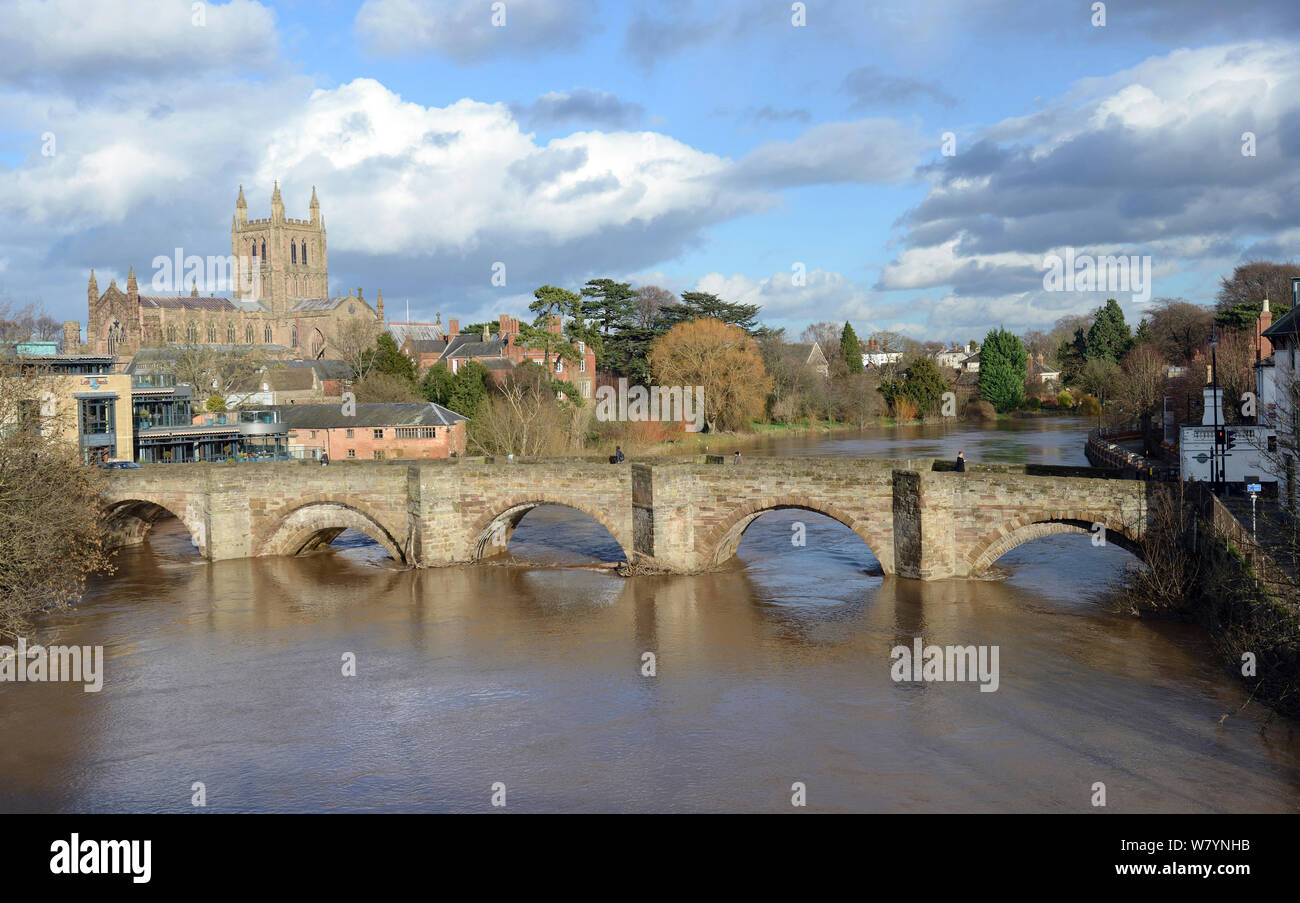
[(212, 334), (248, 334), (264, 249), (254, 249), (293, 336), (192, 334), (304, 253), (266, 334), (116, 335), (171, 333), (230, 334), (293, 252), (317, 343)]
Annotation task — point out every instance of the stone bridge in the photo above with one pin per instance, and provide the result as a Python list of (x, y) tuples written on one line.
[(920, 519)]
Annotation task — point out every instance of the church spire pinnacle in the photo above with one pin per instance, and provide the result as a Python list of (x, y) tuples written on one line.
[(315, 208), (277, 203), (240, 203), (131, 287)]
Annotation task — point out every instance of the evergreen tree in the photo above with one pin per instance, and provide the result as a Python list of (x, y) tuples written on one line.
[(849, 349), (708, 306), (470, 389), (925, 385), (390, 360), (1003, 365), (438, 384), (1109, 336)]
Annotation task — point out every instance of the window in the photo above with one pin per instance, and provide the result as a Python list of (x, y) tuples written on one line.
[(254, 255), (379, 434), (379, 454), (304, 253), (293, 253), (230, 334), (266, 334), (212, 334), (582, 365), (1272, 443), (352, 452), (293, 336), (248, 334), (97, 416), (264, 250), (417, 432), (352, 434), (192, 334), (559, 365), (171, 332), (313, 434)]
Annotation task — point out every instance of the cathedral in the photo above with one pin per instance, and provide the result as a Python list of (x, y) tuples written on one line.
[(281, 301)]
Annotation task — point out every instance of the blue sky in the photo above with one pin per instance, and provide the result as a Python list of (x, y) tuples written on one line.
[(693, 145)]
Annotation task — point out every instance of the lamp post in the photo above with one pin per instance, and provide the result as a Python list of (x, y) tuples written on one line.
[(1216, 455)]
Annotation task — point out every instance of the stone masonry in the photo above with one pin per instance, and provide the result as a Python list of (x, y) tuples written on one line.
[(677, 514)]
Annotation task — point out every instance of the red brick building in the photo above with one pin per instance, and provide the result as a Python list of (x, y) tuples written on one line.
[(500, 353), (374, 432)]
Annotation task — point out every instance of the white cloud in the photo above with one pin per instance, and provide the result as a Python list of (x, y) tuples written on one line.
[(90, 44)]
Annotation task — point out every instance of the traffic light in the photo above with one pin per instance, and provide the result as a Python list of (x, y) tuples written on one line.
[(1232, 438), (1220, 436)]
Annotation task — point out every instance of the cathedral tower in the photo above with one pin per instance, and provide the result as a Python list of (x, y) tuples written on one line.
[(288, 255)]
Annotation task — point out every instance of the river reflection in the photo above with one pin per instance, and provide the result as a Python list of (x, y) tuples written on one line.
[(774, 670)]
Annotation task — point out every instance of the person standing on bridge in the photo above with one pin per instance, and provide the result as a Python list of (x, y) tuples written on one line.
[(618, 454), (961, 462), (324, 459), (735, 459)]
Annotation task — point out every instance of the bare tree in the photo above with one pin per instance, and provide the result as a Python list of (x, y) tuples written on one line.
[(650, 299), (216, 371), (354, 341), (1180, 328), (51, 535), (523, 417), (827, 335), (1256, 280), (1141, 390)]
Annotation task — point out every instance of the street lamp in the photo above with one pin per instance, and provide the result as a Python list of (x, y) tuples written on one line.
[(1216, 456)]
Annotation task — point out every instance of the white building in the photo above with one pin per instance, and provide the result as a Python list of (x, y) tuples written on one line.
[(1196, 447), (1276, 391)]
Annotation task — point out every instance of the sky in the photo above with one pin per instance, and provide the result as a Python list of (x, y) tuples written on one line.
[(909, 165)]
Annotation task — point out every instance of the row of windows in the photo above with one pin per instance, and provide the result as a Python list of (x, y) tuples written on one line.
[(417, 432), (293, 251), (378, 455), (232, 336)]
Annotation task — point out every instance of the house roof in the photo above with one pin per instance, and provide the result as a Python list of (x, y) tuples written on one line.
[(324, 367), (472, 345), (419, 331), (1287, 324), (278, 380), (497, 363), (427, 346), (187, 302), (331, 416)]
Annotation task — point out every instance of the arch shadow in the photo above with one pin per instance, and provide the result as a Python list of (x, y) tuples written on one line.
[(495, 530), (723, 541), (1018, 532), (308, 527), (128, 522)]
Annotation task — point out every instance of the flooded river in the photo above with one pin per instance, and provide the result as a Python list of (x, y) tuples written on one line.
[(774, 671)]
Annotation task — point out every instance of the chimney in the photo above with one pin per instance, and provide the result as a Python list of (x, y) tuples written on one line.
[(556, 324), (1263, 346), (1039, 358), (359, 298), (503, 321), (453, 326), (71, 336)]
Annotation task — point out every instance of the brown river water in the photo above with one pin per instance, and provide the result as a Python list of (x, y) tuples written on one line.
[(773, 671)]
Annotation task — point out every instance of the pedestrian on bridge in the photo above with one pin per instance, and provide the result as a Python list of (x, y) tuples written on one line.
[(324, 460), (961, 462)]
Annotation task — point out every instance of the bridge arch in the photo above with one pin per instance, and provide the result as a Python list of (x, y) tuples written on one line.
[(722, 542), (315, 524), (1019, 531), (495, 529), (129, 521)]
